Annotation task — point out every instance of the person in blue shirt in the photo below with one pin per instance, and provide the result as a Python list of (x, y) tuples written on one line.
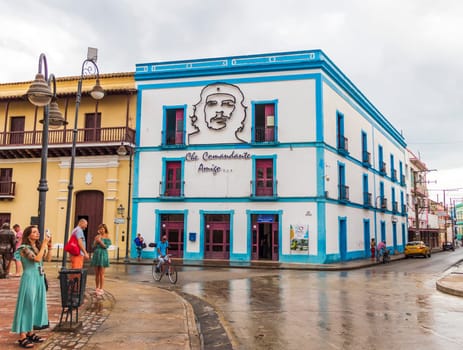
[(140, 245), (163, 251)]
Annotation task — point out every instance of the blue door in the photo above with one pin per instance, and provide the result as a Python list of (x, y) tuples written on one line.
[(383, 231), (394, 235), (366, 237), (343, 238), (403, 238)]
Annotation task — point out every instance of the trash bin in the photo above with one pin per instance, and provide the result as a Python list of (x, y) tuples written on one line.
[(72, 284)]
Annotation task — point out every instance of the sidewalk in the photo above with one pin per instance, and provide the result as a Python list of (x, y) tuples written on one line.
[(127, 314), (137, 316), (453, 282)]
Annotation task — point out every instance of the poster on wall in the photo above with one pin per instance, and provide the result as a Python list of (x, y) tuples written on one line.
[(299, 236)]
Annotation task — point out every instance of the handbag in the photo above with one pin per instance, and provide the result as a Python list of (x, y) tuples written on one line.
[(143, 245), (46, 282), (72, 247)]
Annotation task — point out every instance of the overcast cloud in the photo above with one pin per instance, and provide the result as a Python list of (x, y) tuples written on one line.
[(405, 56)]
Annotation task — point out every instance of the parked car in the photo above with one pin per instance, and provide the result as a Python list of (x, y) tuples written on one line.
[(417, 248), (448, 246)]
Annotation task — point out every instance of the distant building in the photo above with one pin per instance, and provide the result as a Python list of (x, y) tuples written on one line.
[(425, 217), (459, 221), (100, 178), (265, 157)]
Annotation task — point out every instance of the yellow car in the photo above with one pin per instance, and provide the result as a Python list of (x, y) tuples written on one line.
[(417, 248)]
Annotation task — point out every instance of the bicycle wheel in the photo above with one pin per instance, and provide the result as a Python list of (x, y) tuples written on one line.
[(157, 275), (172, 274)]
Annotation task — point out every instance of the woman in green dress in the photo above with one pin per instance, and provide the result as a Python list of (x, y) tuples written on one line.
[(31, 307), (100, 259)]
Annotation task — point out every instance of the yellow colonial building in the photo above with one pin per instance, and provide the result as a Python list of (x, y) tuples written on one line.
[(101, 177)]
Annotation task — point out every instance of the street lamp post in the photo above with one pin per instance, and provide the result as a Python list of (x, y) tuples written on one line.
[(89, 68), (117, 221), (122, 151), (40, 95)]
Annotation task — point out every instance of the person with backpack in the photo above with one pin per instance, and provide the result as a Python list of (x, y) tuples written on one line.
[(140, 245), (7, 248)]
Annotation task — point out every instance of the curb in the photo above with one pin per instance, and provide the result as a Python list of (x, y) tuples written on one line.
[(442, 285), (274, 266), (191, 324), (452, 291)]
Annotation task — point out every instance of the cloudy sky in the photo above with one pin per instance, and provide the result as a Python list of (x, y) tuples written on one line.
[(405, 56)]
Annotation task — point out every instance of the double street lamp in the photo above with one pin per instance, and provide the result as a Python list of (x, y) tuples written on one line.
[(89, 68), (123, 151), (41, 95)]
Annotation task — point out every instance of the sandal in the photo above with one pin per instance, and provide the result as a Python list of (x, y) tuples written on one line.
[(35, 338), (25, 343)]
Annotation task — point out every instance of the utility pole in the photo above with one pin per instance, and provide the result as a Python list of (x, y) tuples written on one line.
[(417, 216), (446, 219)]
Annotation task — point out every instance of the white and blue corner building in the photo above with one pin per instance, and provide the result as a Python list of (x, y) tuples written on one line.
[(264, 157)]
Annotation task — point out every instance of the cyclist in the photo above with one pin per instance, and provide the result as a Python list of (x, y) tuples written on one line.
[(163, 250)]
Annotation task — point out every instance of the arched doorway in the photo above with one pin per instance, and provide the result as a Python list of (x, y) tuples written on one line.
[(89, 206)]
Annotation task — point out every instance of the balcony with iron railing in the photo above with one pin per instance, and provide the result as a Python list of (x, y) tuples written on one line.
[(90, 141), (367, 200), (172, 190), (366, 159), (383, 204), (343, 145), (265, 134), (173, 139), (264, 189), (382, 168), (343, 193), (7, 189), (402, 180)]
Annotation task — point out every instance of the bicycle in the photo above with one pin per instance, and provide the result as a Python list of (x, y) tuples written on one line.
[(168, 268)]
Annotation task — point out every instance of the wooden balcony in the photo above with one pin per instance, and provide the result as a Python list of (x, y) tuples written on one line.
[(90, 142)]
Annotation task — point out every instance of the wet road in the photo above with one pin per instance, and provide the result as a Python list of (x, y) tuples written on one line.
[(393, 306)]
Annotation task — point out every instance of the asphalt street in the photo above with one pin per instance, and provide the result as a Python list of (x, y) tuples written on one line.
[(382, 307)]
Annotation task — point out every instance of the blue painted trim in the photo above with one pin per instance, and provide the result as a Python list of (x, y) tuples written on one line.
[(202, 214), (342, 234), (235, 81), (157, 229), (226, 65), (254, 158), (270, 62), (321, 234), (390, 131), (351, 255), (164, 124), (249, 214), (273, 146), (319, 120), (367, 236), (253, 121), (301, 259), (339, 128), (166, 160)]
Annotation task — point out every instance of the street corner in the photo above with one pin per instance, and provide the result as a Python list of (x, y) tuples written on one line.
[(451, 284)]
